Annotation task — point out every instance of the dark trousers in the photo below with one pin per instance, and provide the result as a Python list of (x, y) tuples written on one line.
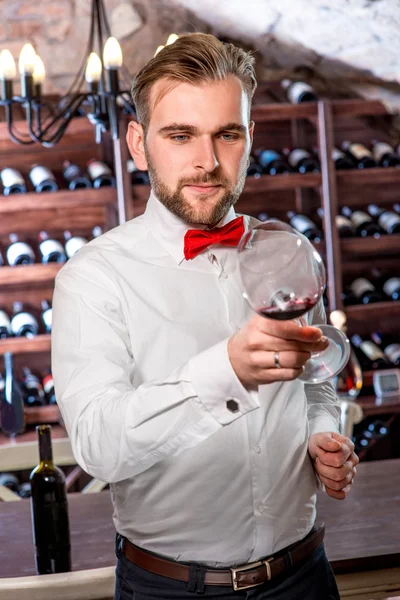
[(313, 580)]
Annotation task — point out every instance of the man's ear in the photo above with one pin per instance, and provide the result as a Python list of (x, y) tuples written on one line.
[(135, 141), (251, 132)]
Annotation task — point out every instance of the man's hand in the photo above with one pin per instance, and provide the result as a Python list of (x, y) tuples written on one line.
[(335, 462)]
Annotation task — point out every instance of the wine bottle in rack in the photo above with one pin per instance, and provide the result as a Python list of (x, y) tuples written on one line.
[(100, 174), (73, 243), (49, 509), (75, 176), (43, 179), (344, 226), (365, 291), (32, 389), (372, 356), (9, 481), (5, 325), (272, 162), (97, 231), (299, 91), (23, 323), (391, 288), (387, 219), (18, 252), (302, 161), (384, 154), (48, 386), (46, 315), (51, 250), (359, 154), (25, 490), (13, 182), (349, 381), (138, 177), (254, 169), (341, 161), (305, 226), (390, 345), (363, 222)]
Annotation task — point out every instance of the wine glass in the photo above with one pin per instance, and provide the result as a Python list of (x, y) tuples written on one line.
[(283, 277)]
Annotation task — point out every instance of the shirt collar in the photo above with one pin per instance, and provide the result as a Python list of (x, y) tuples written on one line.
[(170, 230)]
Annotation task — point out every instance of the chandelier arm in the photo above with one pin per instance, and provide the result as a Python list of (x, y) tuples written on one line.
[(105, 18), (10, 131), (127, 105), (79, 99)]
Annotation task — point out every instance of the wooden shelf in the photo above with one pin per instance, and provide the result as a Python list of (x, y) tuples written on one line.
[(356, 107), (370, 406), (374, 176), (378, 316), (62, 199), (28, 274), (23, 345), (41, 414), (385, 244), (57, 432)]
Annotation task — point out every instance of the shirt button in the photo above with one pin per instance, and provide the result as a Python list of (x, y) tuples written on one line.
[(232, 405), (257, 449)]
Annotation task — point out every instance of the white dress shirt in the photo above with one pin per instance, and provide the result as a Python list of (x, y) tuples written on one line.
[(142, 378)]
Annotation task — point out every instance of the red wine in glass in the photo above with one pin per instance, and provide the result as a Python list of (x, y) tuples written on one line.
[(284, 310)]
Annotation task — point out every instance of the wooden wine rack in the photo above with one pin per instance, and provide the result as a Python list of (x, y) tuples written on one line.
[(323, 124)]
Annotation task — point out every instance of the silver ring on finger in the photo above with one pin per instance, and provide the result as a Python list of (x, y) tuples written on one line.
[(276, 361)]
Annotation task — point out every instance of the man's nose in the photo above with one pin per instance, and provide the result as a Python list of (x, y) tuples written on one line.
[(205, 158)]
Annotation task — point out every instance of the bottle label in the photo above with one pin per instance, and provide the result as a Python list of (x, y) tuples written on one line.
[(296, 89), (48, 383), (343, 222), (391, 285), (388, 219), (359, 217), (4, 320), (39, 174), (71, 172), (371, 350), (16, 249), (11, 177), (47, 247), (380, 149), (97, 168), (301, 223), (21, 319), (336, 154), (361, 285), (47, 317), (267, 156), (296, 156), (360, 151), (393, 353), (74, 244)]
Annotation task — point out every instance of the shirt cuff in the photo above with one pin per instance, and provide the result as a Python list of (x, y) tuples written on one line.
[(217, 386), (322, 424)]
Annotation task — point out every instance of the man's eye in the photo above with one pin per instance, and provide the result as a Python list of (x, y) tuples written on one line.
[(229, 137), (179, 138)]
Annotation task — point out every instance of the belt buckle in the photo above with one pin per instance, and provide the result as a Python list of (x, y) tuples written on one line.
[(237, 586)]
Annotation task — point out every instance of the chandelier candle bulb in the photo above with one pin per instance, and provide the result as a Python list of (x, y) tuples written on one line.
[(171, 39), (8, 71), (112, 59), (39, 73), (26, 66), (93, 71), (158, 50)]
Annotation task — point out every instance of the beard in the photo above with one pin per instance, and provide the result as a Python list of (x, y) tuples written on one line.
[(176, 202)]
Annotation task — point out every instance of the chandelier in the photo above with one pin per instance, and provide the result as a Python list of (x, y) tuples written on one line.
[(100, 72)]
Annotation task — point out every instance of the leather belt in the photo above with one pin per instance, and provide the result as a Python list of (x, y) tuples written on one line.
[(242, 577)]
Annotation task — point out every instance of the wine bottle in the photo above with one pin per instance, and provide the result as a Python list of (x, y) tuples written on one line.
[(299, 91), (142, 177), (9, 481), (359, 154), (49, 509), (46, 315), (373, 357), (12, 414), (344, 226), (365, 291), (100, 174), (19, 253), (43, 180), (305, 226), (390, 346), (384, 154), (97, 231), (51, 250), (302, 161), (363, 222), (272, 162), (387, 219), (341, 160), (73, 243), (25, 490), (391, 287), (349, 381), (253, 170), (23, 323), (13, 182), (5, 325), (48, 386), (75, 176), (32, 389)]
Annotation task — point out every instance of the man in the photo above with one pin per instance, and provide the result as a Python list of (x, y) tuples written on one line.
[(171, 390)]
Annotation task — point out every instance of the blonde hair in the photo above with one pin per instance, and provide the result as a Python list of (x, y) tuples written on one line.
[(192, 58)]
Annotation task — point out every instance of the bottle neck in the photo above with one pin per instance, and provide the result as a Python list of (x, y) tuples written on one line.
[(45, 446)]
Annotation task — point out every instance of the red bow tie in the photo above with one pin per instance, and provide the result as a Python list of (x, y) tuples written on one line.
[(198, 240)]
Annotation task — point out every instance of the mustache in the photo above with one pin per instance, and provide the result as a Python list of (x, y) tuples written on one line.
[(208, 180)]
